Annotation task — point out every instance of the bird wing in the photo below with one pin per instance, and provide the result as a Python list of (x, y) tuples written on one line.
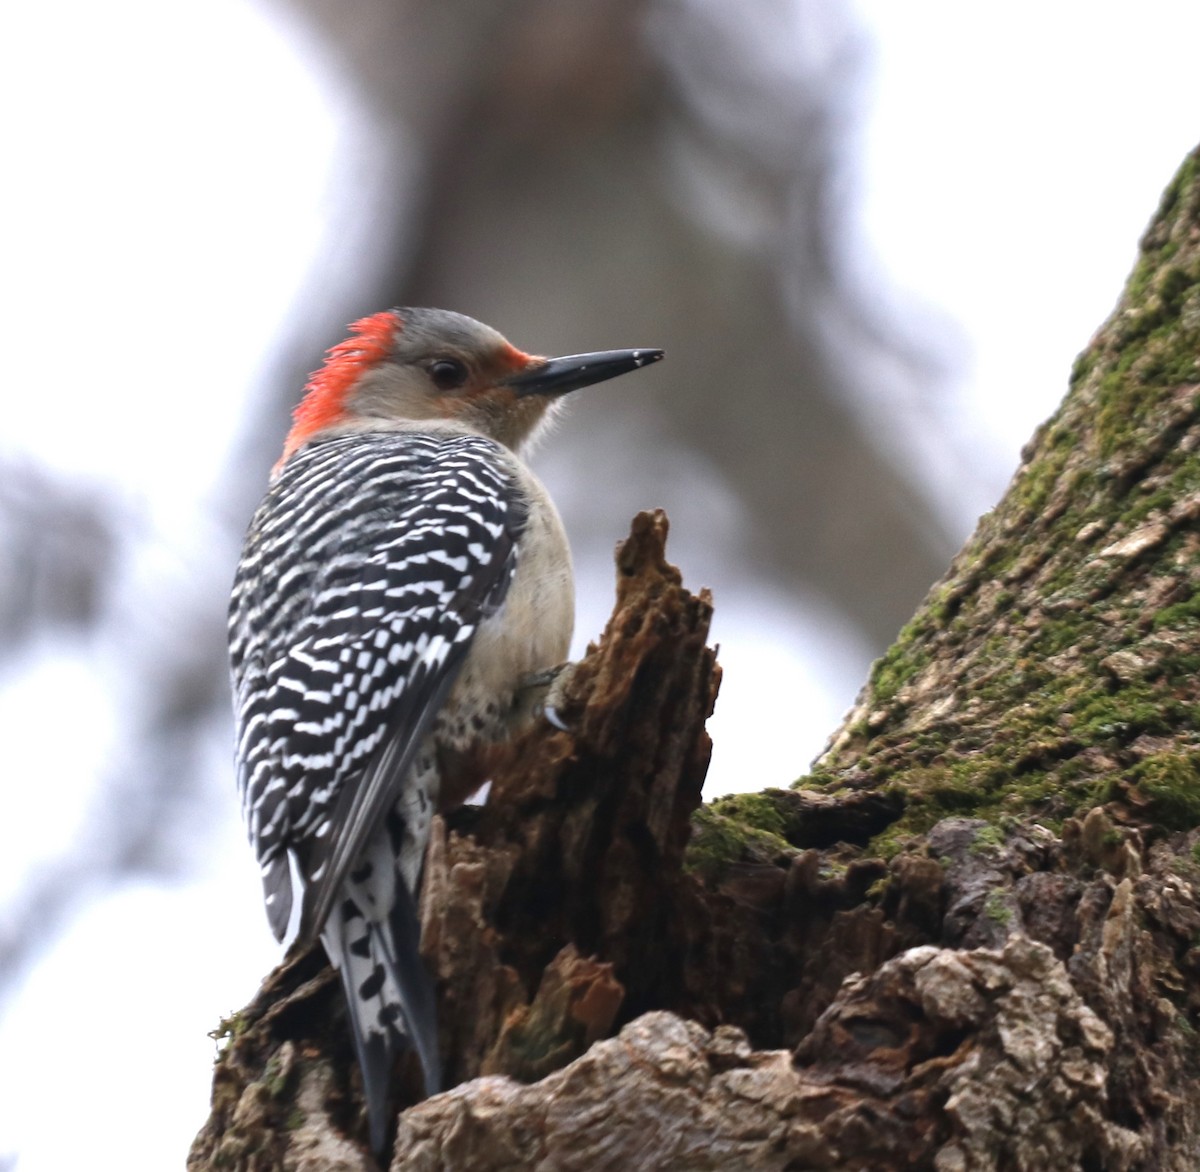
[(398, 545)]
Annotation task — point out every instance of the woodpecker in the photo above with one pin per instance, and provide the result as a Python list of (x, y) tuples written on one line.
[(404, 587)]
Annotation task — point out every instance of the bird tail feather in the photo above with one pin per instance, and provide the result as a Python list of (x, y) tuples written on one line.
[(373, 938)]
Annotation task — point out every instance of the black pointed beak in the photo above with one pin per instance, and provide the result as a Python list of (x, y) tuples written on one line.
[(557, 376)]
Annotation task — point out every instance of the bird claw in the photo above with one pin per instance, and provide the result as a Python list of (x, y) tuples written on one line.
[(545, 694)]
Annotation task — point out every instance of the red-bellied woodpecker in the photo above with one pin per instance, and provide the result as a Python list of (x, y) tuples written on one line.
[(405, 582)]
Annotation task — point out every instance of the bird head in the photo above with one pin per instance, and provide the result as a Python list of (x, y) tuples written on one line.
[(430, 365)]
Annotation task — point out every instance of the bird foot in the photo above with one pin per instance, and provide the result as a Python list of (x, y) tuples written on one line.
[(544, 694)]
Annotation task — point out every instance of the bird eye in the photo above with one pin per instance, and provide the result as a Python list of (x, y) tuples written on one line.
[(447, 373)]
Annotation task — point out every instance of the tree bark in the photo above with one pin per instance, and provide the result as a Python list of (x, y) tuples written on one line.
[(969, 939)]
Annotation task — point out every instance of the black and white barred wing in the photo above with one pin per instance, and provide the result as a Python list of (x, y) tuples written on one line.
[(368, 571)]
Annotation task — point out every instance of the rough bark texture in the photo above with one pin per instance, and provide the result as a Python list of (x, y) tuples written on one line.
[(970, 939)]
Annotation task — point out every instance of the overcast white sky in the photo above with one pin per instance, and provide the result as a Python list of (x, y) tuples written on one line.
[(1011, 158)]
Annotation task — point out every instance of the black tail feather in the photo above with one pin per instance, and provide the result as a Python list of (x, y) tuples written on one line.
[(389, 996)]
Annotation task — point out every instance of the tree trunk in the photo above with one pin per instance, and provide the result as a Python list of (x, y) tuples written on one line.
[(970, 939)]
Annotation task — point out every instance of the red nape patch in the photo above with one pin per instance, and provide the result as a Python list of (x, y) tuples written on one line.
[(325, 393)]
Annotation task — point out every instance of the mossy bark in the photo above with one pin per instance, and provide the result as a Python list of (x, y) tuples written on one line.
[(970, 939), (1057, 664)]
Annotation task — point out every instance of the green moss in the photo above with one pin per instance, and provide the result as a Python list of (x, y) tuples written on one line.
[(1070, 770), (1180, 615), (993, 785), (1004, 601), (900, 836), (877, 889), (1061, 635), (718, 841), (996, 908), (1032, 490), (1082, 366), (1112, 399), (1170, 783), (274, 1077), (1133, 709), (818, 779), (1158, 354), (955, 796), (752, 810), (902, 662), (987, 837)]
